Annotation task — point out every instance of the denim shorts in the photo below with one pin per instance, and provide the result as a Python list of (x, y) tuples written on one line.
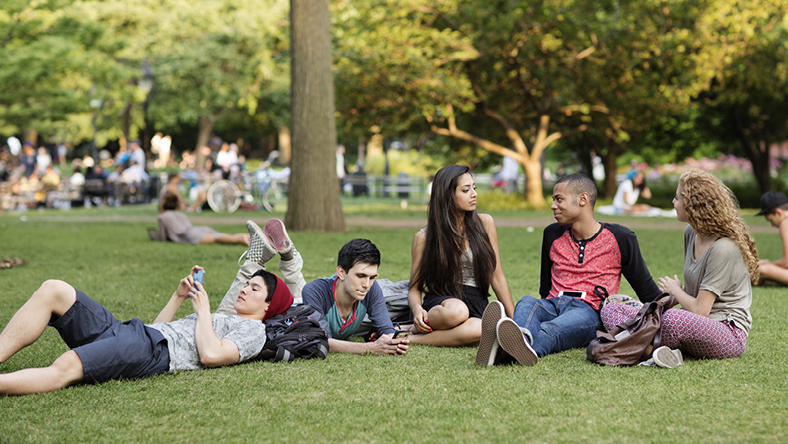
[(110, 349)]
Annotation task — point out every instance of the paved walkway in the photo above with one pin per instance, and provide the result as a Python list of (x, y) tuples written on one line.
[(412, 223)]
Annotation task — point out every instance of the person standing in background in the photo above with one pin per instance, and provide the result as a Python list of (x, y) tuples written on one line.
[(165, 146), (341, 166)]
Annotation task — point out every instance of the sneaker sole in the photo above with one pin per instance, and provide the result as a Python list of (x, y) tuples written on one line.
[(488, 344), (275, 230), (513, 342), (258, 242), (667, 358)]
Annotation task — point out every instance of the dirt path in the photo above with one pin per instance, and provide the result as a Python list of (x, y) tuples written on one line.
[(412, 223)]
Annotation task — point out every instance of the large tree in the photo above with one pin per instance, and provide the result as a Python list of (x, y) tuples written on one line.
[(314, 202), (743, 53), (224, 56), (494, 74), (636, 76), (210, 59)]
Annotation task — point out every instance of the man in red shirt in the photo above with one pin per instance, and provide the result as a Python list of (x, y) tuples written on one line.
[(582, 262)]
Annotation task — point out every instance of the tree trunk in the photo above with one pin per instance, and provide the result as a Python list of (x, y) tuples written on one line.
[(533, 182), (757, 151), (30, 135), (127, 121), (530, 161), (609, 161), (314, 201), (205, 126)]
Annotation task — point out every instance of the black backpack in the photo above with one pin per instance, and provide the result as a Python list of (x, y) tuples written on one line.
[(296, 333)]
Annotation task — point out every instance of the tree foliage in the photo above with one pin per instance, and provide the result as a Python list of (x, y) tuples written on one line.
[(743, 65), (516, 77), (209, 58)]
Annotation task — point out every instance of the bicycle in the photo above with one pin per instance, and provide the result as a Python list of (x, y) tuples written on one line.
[(224, 195), (271, 186)]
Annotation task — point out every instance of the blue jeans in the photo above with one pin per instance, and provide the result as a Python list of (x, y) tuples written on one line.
[(558, 323)]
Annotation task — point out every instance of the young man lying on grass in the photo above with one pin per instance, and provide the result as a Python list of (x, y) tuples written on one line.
[(103, 348)]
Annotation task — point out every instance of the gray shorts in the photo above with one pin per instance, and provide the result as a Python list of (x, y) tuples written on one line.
[(110, 349)]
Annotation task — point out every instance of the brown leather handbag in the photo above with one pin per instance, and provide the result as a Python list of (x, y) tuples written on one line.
[(631, 341)]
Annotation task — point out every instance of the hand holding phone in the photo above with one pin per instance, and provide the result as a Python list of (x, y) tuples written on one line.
[(401, 334), (199, 276)]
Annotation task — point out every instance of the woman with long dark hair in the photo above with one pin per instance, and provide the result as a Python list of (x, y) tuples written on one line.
[(455, 260)]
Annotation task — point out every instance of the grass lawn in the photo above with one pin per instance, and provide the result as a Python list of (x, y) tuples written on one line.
[(428, 395)]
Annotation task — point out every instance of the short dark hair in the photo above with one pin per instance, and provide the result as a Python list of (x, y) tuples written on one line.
[(358, 250), (270, 283), (578, 184), (169, 201), (783, 207)]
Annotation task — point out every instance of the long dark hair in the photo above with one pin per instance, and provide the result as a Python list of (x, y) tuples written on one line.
[(440, 270)]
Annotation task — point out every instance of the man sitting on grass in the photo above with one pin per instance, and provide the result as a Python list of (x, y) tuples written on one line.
[(103, 348), (774, 206), (343, 299), (579, 255)]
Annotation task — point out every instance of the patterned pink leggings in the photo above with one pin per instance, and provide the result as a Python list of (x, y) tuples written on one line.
[(692, 333)]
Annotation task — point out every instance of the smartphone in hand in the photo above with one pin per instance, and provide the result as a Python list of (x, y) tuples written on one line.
[(199, 276), (401, 334)]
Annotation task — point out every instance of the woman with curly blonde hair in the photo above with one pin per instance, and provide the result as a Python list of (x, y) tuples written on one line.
[(720, 266)]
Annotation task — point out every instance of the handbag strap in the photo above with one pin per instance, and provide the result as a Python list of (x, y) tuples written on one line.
[(664, 302), (601, 292)]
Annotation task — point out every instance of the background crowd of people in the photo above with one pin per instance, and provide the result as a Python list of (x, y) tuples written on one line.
[(58, 176)]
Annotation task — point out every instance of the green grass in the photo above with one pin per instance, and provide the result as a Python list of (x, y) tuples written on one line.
[(428, 395)]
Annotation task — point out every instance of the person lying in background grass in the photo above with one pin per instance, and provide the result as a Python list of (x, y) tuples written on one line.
[(175, 226), (774, 206), (103, 348)]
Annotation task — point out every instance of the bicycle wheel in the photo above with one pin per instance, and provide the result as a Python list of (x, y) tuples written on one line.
[(224, 195), (275, 196)]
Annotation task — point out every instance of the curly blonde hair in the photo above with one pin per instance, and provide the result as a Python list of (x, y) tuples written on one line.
[(712, 210)]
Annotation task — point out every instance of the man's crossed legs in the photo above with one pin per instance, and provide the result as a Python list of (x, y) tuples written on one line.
[(264, 244)]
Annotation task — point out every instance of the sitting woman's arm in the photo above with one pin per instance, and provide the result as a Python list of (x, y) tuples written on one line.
[(499, 284), (699, 305), (414, 293)]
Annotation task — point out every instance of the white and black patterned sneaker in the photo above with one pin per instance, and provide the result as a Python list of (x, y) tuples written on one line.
[(260, 249), (666, 358), (513, 341), (489, 347), (277, 235)]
